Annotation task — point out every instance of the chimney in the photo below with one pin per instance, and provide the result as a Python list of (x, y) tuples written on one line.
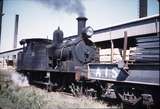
[(1, 14), (142, 8), (15, 32), (81, 24)]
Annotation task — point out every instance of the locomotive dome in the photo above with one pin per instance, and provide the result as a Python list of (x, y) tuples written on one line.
[(58, 36)]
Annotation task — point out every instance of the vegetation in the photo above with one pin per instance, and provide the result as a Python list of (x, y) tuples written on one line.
[(23, 98), (34, 98), (30, 97)]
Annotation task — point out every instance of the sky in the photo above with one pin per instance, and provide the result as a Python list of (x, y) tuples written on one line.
[(36, 20)]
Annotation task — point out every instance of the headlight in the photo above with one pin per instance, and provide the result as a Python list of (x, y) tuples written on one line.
[(88, 32)]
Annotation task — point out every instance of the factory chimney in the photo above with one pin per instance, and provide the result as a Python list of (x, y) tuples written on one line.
[(81, 24), (1, 14), (142, 8), (15, 32)]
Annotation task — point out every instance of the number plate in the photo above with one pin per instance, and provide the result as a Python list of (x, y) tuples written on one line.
[(103, 71)]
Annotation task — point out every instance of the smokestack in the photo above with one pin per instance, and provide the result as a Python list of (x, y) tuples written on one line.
[(81, 24), (15, 32), (142, 8)]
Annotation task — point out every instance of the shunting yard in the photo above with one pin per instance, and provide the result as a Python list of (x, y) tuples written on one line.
[(119, 63)]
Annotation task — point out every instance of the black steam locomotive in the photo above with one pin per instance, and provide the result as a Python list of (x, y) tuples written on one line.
[(58, 63)]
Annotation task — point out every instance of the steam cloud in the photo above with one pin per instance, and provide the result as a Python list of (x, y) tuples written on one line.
[(19, 80), (69, 6)]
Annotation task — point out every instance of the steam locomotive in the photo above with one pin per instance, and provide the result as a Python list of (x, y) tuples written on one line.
[(58, 63)]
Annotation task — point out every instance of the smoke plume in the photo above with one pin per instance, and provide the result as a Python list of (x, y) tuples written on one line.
[(69, 6), (19, 80)]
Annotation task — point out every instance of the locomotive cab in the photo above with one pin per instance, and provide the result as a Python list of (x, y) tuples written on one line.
[(34, 55)]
